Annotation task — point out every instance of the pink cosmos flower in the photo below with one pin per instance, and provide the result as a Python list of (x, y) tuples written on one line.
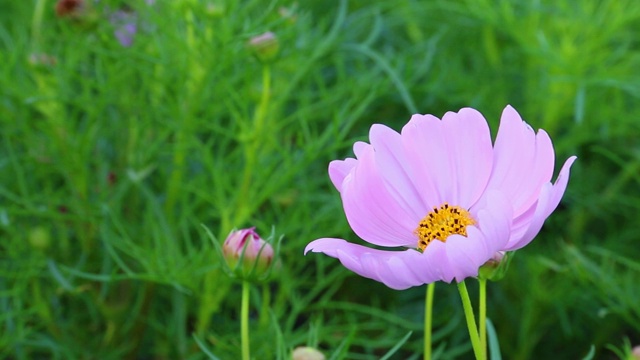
[(443, 196)]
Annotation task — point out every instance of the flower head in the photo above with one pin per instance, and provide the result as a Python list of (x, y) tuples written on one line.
[(444, 196), (265, 46), (126, 26), (247, 254), (306, 353)]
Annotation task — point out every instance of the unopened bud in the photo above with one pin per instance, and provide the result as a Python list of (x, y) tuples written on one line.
[(215, 9), (635, 352), (265, 47), (306, 353), (496, 267), (247, 254)]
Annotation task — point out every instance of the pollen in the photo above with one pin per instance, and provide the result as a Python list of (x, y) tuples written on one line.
[(441, 222)]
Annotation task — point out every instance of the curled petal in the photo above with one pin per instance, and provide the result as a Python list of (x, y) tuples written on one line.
[(339, 169), (360, 147), (393, 268), (549, 199)]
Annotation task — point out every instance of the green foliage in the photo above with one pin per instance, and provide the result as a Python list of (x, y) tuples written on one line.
[(112, 157)]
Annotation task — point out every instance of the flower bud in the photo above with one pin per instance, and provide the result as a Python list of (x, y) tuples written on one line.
[(288, 14), (496, 267), (265, 47), (306, 353), (247, 254), (215, 9), (635, 352)]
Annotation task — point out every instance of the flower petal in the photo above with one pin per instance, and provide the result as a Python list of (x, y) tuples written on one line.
[(359, 147), (495, 221), (452, 157), (422, 137), (397, 174), (472, 151), (436, 265), (523, 161), (372, 212), (392, 268), (467, 254), (339, 169), (549, 199)]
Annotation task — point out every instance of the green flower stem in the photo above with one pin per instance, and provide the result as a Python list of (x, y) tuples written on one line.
[(428, 317), (244, 320), (483, 316), (253, 147), (188, 107), (471, 321), (36, 24), (261, 113)]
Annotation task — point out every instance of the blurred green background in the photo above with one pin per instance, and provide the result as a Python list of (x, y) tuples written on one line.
[(113, 156)]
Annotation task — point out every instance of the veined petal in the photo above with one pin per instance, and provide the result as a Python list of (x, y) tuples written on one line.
[(452, 157), (549, 199), (472, 151), (372, 212), (523, 161), (397, 174), (422, 137)]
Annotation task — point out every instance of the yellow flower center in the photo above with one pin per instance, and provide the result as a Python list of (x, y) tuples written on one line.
[(443, 221)]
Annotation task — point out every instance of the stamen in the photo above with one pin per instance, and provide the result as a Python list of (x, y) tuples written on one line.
[(442, 222)]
